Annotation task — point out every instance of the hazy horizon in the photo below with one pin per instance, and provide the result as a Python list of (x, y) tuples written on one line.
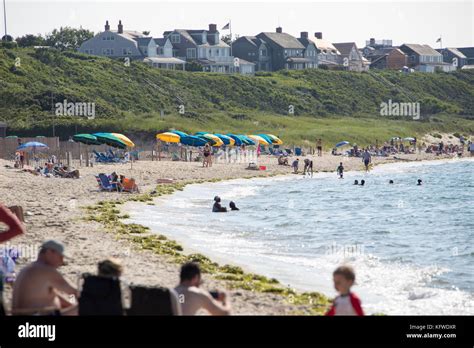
[(340, 21)]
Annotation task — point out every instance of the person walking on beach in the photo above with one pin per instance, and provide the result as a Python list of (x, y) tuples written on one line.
[(347, 303), (41, 289), (308, 167), (367, 159), (340, 171), (319, 146), (193, 298), (295, 165), (206, 162)]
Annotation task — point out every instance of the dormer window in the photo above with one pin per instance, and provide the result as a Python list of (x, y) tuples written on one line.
[(175, 38)]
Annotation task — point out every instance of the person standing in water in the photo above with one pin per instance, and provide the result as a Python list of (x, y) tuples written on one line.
[(340, 171), (367, 159), (217, 207)]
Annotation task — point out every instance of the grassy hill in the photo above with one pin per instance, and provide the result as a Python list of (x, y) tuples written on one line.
[(334, 105)]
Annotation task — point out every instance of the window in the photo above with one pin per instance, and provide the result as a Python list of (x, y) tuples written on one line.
[(108, 51), (159, 50), (175, 38), (286, 53), (191, 53), (89, 51), (263, 53)]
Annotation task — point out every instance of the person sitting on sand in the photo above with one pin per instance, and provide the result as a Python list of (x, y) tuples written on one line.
[(362, 182), (347, 303), (110, 268), (41, 289), (356, 182), (217, 207), (420, 182), (282, 160), (295, 165), (340, 171), (308, 167), (115, 181), (193, 298), (233, 206)]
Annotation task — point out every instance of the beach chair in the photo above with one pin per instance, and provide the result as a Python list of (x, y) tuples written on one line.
[(100, 296), (289, 152), (153, 301), (105, 183), (298, 151)]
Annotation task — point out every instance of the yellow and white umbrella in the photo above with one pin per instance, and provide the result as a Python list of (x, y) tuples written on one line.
[(258, 139), (275, 139), (125, 139)]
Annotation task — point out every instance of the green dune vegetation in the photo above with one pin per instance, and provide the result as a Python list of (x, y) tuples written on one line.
[(299, 106)]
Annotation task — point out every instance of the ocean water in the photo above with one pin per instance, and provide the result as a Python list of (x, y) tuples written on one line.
[(411, 246)]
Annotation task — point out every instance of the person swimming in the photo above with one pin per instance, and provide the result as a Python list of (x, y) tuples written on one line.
[(356, 182), (390, 182), (233, 206), (217, 207), (362, 182), (419, 182)]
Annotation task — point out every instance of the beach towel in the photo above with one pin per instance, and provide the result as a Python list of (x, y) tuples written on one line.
[(150, 301), (100, 296)]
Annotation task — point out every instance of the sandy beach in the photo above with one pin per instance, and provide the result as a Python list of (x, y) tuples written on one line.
[(53, 211)]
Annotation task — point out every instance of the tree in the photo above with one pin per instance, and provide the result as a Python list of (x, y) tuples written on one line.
[(7, 38), (30, 40), (68, 38)]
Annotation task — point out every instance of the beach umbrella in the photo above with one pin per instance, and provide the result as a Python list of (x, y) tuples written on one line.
[(275, 139), (87, 139), (342, 143), (226, 139), (181, 134), (32, 145), (258, 139), (237, 140), (266, 137), (246, 140), (110, 139), (125, 139), (216, 140), (193, 140), (168, 137)]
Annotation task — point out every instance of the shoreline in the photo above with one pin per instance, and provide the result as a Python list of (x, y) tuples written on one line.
[(55, 213)]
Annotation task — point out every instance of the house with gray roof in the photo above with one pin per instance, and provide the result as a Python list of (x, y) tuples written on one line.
[(204, 47), (453, 56), (310, 50), (286, 52), (424, 58), (253, 49), (351, 58), (131, 44), (328, 54), (469, 53)]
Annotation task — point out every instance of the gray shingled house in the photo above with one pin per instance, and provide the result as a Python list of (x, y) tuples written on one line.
[(453, 56), (310, 50), (286, 51), (255, 50), (351, 58), (424, 58)]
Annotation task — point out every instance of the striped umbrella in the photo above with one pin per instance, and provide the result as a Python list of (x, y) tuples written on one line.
[(110, 139), (225, 139), (125, 139), (87, 139)]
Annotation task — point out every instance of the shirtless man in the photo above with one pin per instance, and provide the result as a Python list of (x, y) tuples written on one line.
[(192, 298), (40, 288)]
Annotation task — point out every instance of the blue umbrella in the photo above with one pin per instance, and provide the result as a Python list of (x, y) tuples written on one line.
[(33, 145), (181, 134), (238, 141), (267, 138), (342, 143), (192, 140), (246, 140), (225, 138)]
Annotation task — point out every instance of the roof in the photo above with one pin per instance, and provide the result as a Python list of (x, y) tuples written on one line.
[(324, 45), (422, 50), (129, 34), (245, 62), (143, 41), (253, 40), (197, 39), (305, 41), (454, 51), (164, 60), (161, 41), (345, 47), (283, 40), (467, 51)]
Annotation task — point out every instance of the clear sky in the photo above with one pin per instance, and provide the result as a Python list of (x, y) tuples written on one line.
[(339, 21)]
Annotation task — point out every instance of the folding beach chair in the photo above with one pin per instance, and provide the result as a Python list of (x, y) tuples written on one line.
[(100, 296), (105, 183), (153, 301)]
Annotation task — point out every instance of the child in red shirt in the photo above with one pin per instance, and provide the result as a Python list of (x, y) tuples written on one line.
[(347, 303)]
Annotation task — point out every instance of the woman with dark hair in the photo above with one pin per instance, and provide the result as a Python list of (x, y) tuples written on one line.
[(217, 207)]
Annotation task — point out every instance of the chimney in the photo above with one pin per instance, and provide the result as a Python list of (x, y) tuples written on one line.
[(304, 35), (279, 30), (107, 26), (120, 27), (318, 35), (372, 41), (212, 28)]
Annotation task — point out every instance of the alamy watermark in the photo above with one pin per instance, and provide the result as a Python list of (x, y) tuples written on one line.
[(75, 109), (392, 108)]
